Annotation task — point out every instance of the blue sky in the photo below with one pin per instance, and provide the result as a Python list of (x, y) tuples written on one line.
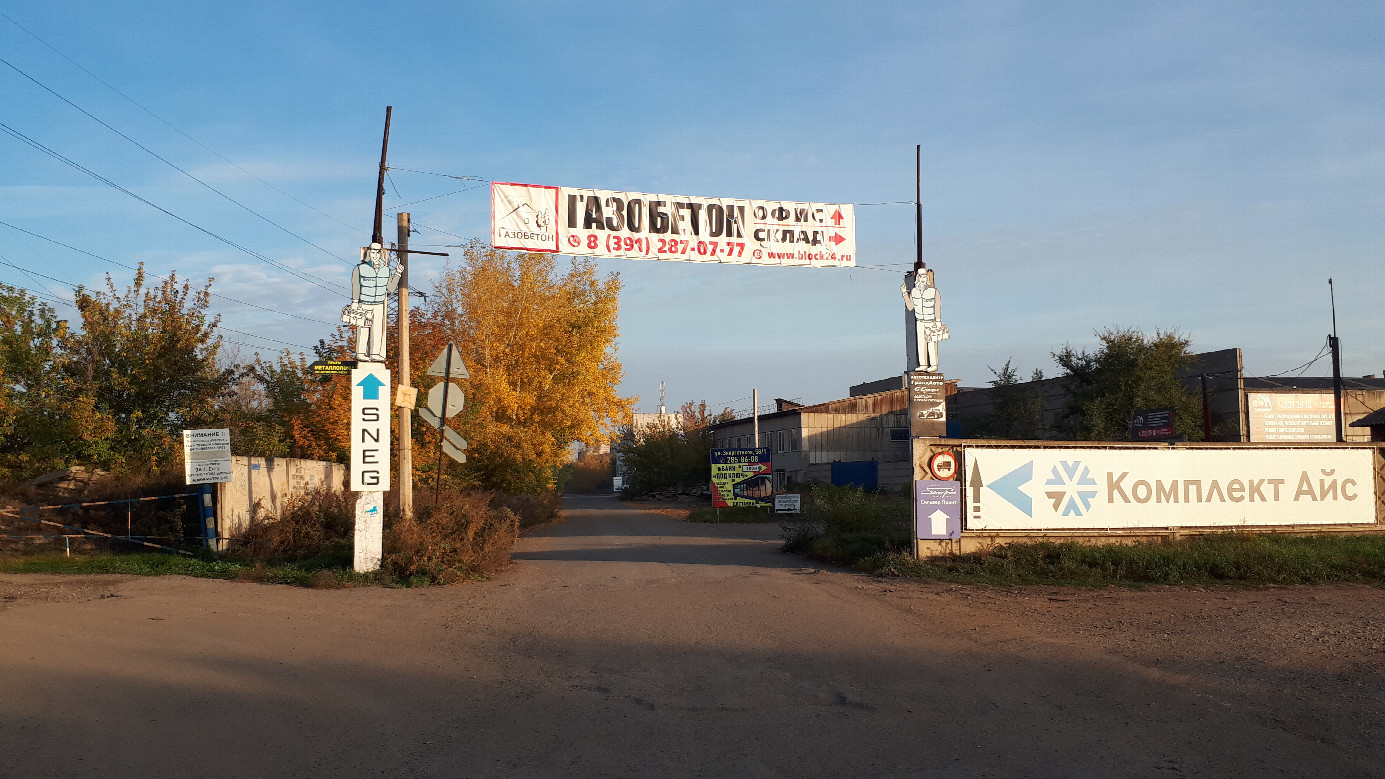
[(1195, 166)]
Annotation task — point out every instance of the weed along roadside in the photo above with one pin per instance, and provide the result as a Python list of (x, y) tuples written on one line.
[(466, 536), (871, 533)]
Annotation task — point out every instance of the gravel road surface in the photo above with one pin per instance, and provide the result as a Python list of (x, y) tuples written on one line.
[(629, 643)]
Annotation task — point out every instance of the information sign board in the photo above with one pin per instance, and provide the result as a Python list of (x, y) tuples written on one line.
[(742, 477), (1292, 416), (937, 509), (927, 405), (206, 456)]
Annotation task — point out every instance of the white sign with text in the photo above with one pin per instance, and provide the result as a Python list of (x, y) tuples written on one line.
[(370, 428)]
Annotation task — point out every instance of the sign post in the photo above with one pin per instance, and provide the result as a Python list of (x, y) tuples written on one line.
[(370, 460), (207, 461)]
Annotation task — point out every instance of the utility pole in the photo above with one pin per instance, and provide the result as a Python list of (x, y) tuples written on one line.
[(1336, 345), (755, 413), (406, 414)]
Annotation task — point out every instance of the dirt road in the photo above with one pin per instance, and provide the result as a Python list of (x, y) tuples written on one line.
[(626, 643)]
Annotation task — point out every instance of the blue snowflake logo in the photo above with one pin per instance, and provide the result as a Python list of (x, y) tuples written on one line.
[(1070, 478)]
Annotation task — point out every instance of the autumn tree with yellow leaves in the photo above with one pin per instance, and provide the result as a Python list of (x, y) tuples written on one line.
[(540, 345)]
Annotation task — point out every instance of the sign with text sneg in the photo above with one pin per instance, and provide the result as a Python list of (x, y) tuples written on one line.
[(370, 428), (641, 226)]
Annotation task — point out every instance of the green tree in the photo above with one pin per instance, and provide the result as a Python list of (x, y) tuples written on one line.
[(1129, 371), (1017, 410), (668, 454), (142, 367), (32, 429)]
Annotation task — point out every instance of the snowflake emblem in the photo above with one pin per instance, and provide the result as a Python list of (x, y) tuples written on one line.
[(1071, 478)]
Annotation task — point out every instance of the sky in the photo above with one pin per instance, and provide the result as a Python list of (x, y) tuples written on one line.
[(1189, 166)]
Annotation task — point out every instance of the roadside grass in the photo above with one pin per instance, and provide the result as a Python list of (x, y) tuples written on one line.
[(1216, 559), (315, 573), (872, 532), (740, 514)]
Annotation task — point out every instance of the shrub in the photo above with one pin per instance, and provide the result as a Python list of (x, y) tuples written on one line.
[(531, 510), (317, 523), (846, 524), (461, 537)]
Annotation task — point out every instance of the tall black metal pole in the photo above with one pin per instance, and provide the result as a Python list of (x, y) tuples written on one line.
[(378, 236), (442, 418), (1336, 345), (918, 206)]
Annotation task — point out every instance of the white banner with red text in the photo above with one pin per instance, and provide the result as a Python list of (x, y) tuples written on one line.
[(641, 226)]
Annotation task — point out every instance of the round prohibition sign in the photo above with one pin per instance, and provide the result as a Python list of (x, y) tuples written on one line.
[(943, 465)]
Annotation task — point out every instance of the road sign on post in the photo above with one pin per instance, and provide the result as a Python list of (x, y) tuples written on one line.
[(446, 400)]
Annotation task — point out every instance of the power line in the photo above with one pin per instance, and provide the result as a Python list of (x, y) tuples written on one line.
[(55, 155), (165, 161), (157, 276), (5, 262), (166, 123)]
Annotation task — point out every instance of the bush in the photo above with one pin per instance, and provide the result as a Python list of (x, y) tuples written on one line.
[(462, 537), (319, 523), (531, 510), (845, 524)]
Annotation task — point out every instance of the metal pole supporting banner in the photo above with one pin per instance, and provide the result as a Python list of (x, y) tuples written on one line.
[(406, 414)]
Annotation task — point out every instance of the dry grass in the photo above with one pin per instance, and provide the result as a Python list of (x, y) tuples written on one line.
[(463, 537)]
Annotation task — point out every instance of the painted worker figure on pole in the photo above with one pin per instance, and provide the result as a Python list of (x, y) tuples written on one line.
[(926, 304), (371, 284)]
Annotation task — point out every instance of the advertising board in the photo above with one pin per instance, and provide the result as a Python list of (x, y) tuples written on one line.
[(742, 477), (927, 404), (1060, 489), (937, 509), (370, 428), (642, 226), (1292, 416), (1152, 424)]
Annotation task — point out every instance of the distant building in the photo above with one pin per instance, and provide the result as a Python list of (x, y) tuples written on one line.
[(860, 440)]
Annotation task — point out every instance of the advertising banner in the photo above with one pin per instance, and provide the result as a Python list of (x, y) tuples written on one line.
[(1152, 424), (1292, 416), (1058, 489), (742, 477), (927, 404), (642, 226), (937, 509)]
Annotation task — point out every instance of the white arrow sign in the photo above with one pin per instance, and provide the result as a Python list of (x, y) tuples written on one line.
[(939, 520)]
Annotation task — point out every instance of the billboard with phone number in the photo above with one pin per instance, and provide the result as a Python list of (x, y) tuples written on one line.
[(742, 477)]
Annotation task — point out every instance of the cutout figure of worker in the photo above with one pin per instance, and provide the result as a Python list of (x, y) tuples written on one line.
[(371, 283), (926, 304)]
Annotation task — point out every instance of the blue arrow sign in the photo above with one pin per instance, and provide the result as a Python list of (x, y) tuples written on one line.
[(370, 386), (1008, 487)]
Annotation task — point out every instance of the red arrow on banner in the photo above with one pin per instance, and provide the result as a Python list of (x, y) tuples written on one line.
[(837, 218), (838, 239)]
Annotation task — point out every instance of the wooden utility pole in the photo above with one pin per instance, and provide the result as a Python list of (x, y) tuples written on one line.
[(406, 414)]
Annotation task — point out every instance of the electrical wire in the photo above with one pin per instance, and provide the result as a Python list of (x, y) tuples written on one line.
[(5, 262), (157, 276), (169, 125), (76, 166), (165, 161)]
